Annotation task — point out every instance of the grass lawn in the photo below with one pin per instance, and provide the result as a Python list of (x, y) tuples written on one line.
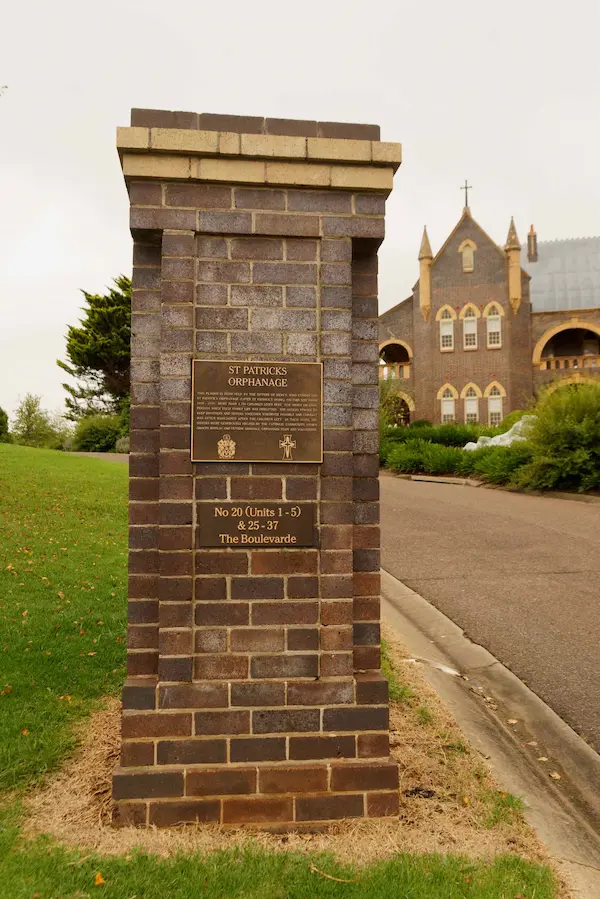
[(63, 544)]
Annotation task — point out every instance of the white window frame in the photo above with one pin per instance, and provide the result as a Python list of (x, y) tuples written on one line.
[(448, 407), (495, 407), (471, 407), (446, 331), (493, 327), (470, 330)]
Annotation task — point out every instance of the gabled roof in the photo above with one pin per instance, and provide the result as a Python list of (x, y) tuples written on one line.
[(466, 215), (566, 275)]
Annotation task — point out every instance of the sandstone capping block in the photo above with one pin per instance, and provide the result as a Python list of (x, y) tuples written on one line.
[(258, 146)]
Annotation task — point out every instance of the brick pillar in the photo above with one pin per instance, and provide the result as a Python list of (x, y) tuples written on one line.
[(254, 694)]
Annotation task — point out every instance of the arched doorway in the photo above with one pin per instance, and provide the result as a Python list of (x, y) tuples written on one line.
[(395, 358)]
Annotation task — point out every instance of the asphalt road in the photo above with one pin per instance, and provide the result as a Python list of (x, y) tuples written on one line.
[(520, 574)]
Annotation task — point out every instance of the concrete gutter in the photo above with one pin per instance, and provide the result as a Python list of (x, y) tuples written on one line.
[(565, 813)]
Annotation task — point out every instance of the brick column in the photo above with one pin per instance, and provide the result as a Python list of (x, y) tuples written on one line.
[(254, 694)]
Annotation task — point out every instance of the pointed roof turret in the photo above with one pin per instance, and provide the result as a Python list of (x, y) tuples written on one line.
[(512, 241), (425, 251)]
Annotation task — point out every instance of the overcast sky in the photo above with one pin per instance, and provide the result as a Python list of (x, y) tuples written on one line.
[(504, 94)]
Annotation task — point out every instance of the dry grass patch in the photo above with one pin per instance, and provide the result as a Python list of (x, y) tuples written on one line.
[(448, 801)]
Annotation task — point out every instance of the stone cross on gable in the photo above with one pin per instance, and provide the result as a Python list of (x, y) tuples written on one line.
[(466, 187), (287, 445)]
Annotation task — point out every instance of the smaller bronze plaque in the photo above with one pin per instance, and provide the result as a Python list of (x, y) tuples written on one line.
[(257, 411), (250, 524)]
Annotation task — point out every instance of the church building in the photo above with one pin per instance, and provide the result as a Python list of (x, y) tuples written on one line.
[(487, 326)]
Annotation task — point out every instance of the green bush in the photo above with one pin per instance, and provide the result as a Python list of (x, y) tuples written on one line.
[(420, 423), (447, 435), (407, 457), (565, 441), (498, 464), (512, 418), (122, 445), (97, 433), (4, 435), (440, 459)]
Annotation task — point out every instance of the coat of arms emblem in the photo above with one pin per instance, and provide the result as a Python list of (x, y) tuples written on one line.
[(226, 447)]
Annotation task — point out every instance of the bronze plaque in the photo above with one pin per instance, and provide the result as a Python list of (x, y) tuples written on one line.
[(257, 411), (256, 524)]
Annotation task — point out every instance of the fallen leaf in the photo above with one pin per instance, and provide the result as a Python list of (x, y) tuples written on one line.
[(24, 732), (91, 653), (512, 721), (543, 758), (532, 743), (555, 775), (99, 880), (330, 876)]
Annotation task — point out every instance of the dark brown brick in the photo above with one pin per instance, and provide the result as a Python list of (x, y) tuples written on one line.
[(178, 244), (302, 638), (175, 642), (222, 613), (373, 745), (382, 805), (257, 588), (256, 248), (336, 585), (142, 611), (285, 721), (148, 785), (251, 198), (371, 689), (256, 295), (143, 218), (175, 589), (229, 722), (173, 513), (367, 608), (369, 204), (169, 814), (155, 724), (175, 614), (336, 638), (139, 693), (176, 564), (348, 131), (225, 667), (257, 639), (367, 634), (363, 776), (142, 663), (282, 225), (210, 640), (211, 488), (280, 666), (163, 118), (175, 538), (284, 273), (136, 755), (301, 488), (320, 693), (143, 636), (239, 124), (328, 808), (336, 562), (302, 587), (222, 318), (319, 201), (257, 694), (291, 127), (285, 613), (193, 696), (142, 193), (143, 513), (367, 584), (221, 782), (257, 749), (209, 588), (322, 747), (226, 222), (257, 810), (256, 488), (303, 779), (336, 538), (199, 196), (289, 562), (301, 249), (191, 752), (129, 814), (175, 668), (221, 563), (360, 718), (366, 658), (143, 586)]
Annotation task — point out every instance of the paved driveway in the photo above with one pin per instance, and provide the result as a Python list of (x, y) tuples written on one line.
[(520, 574)]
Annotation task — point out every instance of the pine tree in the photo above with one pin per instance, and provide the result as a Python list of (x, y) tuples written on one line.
[(99, 353)]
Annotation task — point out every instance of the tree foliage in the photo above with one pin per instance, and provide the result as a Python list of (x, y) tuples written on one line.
[(98, 353), (32, 425), (4, 436)]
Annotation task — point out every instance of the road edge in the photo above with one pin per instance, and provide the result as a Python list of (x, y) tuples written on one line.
[(565, 813)]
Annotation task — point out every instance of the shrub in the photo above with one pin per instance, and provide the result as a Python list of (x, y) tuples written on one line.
[(565, 441), (512, 418), (420, 423), (122, 445), (447, 435), (97, 433), (498, 464), (439, 459), (4, 436), (407, 457)]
